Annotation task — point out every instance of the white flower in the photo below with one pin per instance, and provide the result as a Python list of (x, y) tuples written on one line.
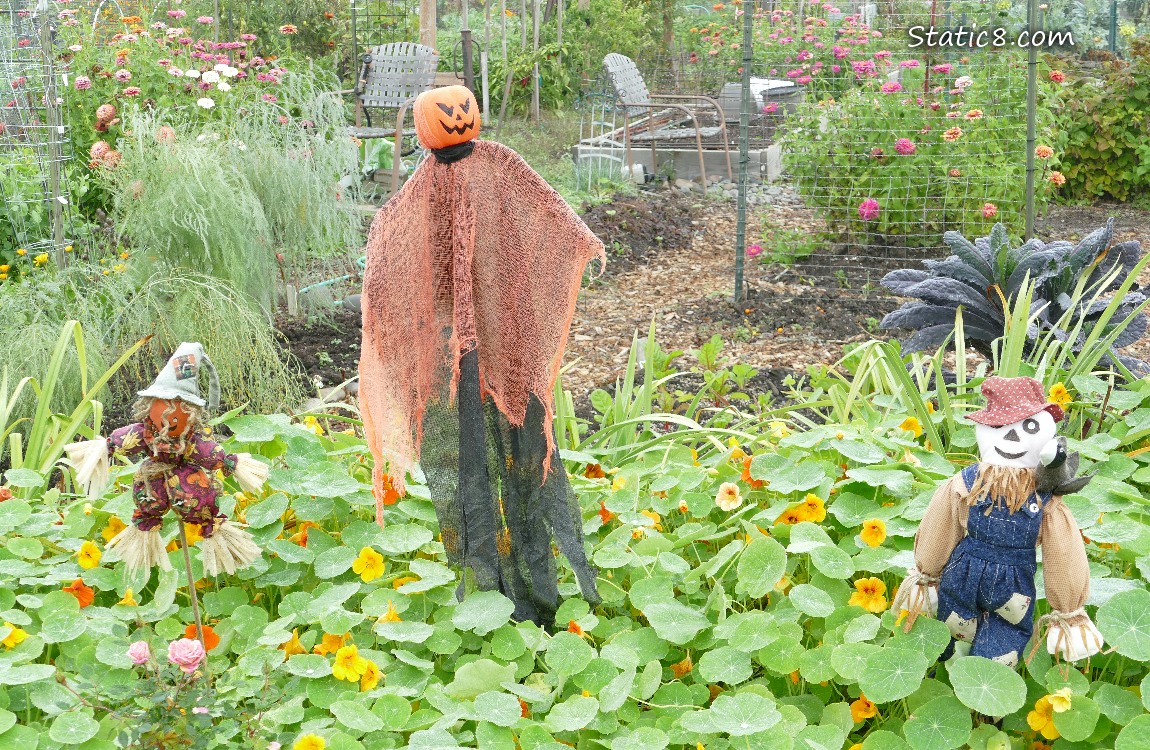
[(963, 82), (728, 497), (174, 71), (193, 73), (220, 67), (210, 76), (76, 47), (224, 86), (205, 102), (229, 72), (241, 146)]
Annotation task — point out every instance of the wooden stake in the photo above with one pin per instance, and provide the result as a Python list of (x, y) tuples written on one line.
[(427, 23), (192, 593)]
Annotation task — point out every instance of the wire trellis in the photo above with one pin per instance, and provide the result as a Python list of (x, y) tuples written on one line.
[(34, 147)]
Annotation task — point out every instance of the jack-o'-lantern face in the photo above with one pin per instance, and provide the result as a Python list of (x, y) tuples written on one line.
[(170, 414), (446, 116)]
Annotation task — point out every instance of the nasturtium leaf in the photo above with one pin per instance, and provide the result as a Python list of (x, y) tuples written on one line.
[(7, 720), (26, 673), (849, 659), (726, 665), (431, 575), (62, 626), (816, 737), (13, 513), (796, 476), (24, 478), (356, 716), (862, 628), (812, 600), (502, 709), (858, 451), (73, 728), (892, 673), (852, 509), (928, 635), (940, 724), (1124, 622), (986, 686), (754, 631), (1117, 704), (267, 512), (807, 536), (288, 711), (884, 740), (643, 738), (736, 715), (477, 677), (1135, 735), (322, 480), (1077, 723), (482, 612), (833, 562), (490, 736), (894, 482), (113, 652), (29, 549), (403, 538), (393, 710), (572, 714), (649, 680), (761, 565), (334, 562), (614, 693), (404, 631), (507, 643), (568, 654), (1060, 677), (259, 428), (310, 666), (674, 621)]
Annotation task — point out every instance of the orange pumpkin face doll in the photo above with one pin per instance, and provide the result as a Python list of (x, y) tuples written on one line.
[(446, 117)]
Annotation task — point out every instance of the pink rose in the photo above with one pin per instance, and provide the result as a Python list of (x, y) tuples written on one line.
[(139, 652), (186, 653)]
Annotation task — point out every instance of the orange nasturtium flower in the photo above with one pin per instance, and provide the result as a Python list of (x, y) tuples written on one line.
[(873, 532), (211, 640), (83, 594), (862, 709)]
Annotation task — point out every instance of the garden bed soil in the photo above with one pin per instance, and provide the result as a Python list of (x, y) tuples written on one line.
[(327, 346)]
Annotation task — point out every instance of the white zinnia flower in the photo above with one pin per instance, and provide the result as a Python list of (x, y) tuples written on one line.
[(224, 86), (963, 82), (229, 72), (205, 102), (193, 73), (210, 76)]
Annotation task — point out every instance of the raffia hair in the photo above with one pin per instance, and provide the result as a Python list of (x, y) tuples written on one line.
[(1003, 484)]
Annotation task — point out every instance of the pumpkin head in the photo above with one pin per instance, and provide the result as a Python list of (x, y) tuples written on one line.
[(170, 414), (446, 116)]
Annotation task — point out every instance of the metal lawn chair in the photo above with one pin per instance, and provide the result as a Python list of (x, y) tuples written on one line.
[(391, 77), (661, 118)]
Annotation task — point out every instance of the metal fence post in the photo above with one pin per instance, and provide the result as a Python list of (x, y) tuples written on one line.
[(744, 139), (1031, 115)]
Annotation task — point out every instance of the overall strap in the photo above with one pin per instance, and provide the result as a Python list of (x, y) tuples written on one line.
[(969, 474)]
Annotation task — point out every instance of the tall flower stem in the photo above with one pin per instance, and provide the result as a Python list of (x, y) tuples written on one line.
[(192, 594)]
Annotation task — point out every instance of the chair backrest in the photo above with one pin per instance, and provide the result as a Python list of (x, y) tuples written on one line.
[(397, 73), (626, 80)]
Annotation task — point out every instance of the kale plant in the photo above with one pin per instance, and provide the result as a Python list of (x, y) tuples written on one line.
[(984, 278)]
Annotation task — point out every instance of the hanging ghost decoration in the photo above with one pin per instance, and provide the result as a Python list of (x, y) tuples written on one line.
[(472, 275), (975, 550)]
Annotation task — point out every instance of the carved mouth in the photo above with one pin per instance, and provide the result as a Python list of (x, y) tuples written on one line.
[(1009, 456), (459, 129)]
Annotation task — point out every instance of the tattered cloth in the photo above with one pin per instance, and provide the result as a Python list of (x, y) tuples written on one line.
[(478, 257)]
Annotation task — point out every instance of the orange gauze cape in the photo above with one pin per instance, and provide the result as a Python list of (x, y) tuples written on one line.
[(479, 254)]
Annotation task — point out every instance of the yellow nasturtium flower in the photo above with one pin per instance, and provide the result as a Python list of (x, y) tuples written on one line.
[(88, 556), (369, 565)]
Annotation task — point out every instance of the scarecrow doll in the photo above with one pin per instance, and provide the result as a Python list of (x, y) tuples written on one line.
[(178, 471), (975, 551), (473, 270)]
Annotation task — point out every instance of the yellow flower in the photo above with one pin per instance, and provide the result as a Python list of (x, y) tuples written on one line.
[(369, 565), (370, 677), (329, 644), (292, 646), (778, 429), (40, 259), (119, 268), (856, 746), (791, 516), (728, 497), (656, 518), (862, 709), (313, 424), (129, 600), (618, 483), (21, 252), (390, 615), (67, 248), (15, 638), (3, 266), (1041, 719), (870, 594), (902, 615), (637, 533), (783, 585), (124, 255), (194, 533), (930, 407), (911, 424), (873, 532), (1059, 395), (349, 665), (309, 742), (1060, 700), (813, 508), (403, 580), (89, 555)]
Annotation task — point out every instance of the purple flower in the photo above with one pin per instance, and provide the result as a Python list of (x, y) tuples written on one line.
[(891, 87), (132, 91), (200, 710), (909, 64), (869, 210), (770, 108), (83, 83), (184, 40), (943, 68), (754, 251), (905, 146), (248, 37), (804, 79)]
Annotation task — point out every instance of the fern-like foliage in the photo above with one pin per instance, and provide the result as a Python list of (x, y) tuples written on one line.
[(1073, 283)]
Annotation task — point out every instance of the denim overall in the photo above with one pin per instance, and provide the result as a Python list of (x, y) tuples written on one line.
[(986, 591)]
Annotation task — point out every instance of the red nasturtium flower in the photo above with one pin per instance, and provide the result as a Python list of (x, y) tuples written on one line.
[(84, 594), (211, 640)]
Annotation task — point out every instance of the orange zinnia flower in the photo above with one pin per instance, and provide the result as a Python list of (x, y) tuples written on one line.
[(83, 594), (211, 640)]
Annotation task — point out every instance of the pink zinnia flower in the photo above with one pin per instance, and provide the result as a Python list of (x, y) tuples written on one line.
[(177, 13), (123, 76), (770, 108), (804, 79), (187, 654), (909, 64), (132, 91), (269, 97), (869, 210), (905, 146), (953, 134), (205, 20), (989, 210), (754, 251), (891, 87), (943, 68), (83, 83), (248, 37), (1043, 152)]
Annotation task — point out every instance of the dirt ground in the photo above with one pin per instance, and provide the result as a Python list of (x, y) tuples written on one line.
[(671, 259)]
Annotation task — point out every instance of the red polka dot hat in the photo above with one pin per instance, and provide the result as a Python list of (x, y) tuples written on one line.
[(1010, 400)]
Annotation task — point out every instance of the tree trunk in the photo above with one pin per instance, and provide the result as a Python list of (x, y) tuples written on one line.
[(427, 23)]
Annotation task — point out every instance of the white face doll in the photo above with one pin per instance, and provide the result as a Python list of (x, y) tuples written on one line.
[(1018, 445)]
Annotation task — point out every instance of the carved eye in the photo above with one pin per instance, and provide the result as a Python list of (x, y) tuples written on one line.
[(447, 108), (1031, 426)]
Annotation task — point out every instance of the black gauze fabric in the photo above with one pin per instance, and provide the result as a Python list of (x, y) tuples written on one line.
[(453, 153)]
